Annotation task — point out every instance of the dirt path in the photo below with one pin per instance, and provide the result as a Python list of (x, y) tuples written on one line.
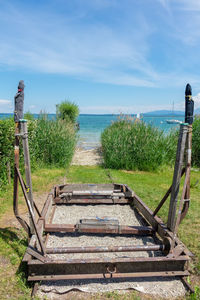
[(83, 157), (9, 219)]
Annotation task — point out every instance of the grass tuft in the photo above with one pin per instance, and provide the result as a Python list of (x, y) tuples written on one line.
[(137, 146)]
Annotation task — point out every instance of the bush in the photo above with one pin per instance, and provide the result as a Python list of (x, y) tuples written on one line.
[(51, 143), (67, 111), (137, 146), (7, 128), (196, 142)]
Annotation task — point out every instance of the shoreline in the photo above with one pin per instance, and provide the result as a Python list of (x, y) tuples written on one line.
[(87, 157)]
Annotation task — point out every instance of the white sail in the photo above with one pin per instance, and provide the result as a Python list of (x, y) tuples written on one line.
[(138, 116)]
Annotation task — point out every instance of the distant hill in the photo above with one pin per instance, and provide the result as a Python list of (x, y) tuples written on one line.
[(164, 113)]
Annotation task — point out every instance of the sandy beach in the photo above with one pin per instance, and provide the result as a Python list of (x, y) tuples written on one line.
[(84, 157)]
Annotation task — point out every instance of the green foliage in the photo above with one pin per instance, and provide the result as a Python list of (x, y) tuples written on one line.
[(28, 116), (7, 128), (196, 142), (68, 111), (136, 146), (196, 295), (51, 143)]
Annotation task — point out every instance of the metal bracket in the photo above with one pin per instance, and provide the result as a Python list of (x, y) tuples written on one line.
[(22, 135), (35, 253)]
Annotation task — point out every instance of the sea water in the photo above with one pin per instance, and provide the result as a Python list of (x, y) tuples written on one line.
[(91, 126)]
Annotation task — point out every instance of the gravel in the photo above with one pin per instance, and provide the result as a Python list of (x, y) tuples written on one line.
[(73, 213), (164, 287)]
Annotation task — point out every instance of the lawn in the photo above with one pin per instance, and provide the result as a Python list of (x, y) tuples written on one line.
[(150, 186)]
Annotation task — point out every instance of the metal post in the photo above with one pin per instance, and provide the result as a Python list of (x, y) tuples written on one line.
[(189, 112), (24, 135), (177, 176), (188, 167), (16, 179), (185, 136)]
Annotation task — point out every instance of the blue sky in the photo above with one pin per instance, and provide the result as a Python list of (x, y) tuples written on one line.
[(108, 56)]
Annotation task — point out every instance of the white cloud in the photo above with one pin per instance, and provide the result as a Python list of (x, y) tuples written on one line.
[(67, 44), (6, 106), (196, 101), (76, 44), (191, 5), (5, 102)]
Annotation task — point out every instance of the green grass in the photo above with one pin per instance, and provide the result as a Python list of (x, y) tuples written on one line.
[(150, 186), (42, 181), (13, 242)]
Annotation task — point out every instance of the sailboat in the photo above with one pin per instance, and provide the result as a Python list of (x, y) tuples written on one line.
[(173, 121), (138, 116)]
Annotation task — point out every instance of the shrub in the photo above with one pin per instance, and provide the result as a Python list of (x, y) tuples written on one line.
[(67, 111), (51, 142), (6, 148), (137, 146), (28, 116), (196, 142)]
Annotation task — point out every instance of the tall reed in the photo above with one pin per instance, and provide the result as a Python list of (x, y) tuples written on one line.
[(196, 142), (131, 145), (51, 143)]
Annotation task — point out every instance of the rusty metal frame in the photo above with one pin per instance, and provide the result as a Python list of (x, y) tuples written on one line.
[(175, 256), (41, 266)]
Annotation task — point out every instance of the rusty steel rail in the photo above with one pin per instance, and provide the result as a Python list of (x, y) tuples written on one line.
[(108, 275), (136, 230), (91, 201), (101, 249)]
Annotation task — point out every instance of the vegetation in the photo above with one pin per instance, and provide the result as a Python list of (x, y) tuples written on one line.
[(6, 148), (68, 111), (51, 143), (13, 241), (150, 186), (137, 146), (196, 142)]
